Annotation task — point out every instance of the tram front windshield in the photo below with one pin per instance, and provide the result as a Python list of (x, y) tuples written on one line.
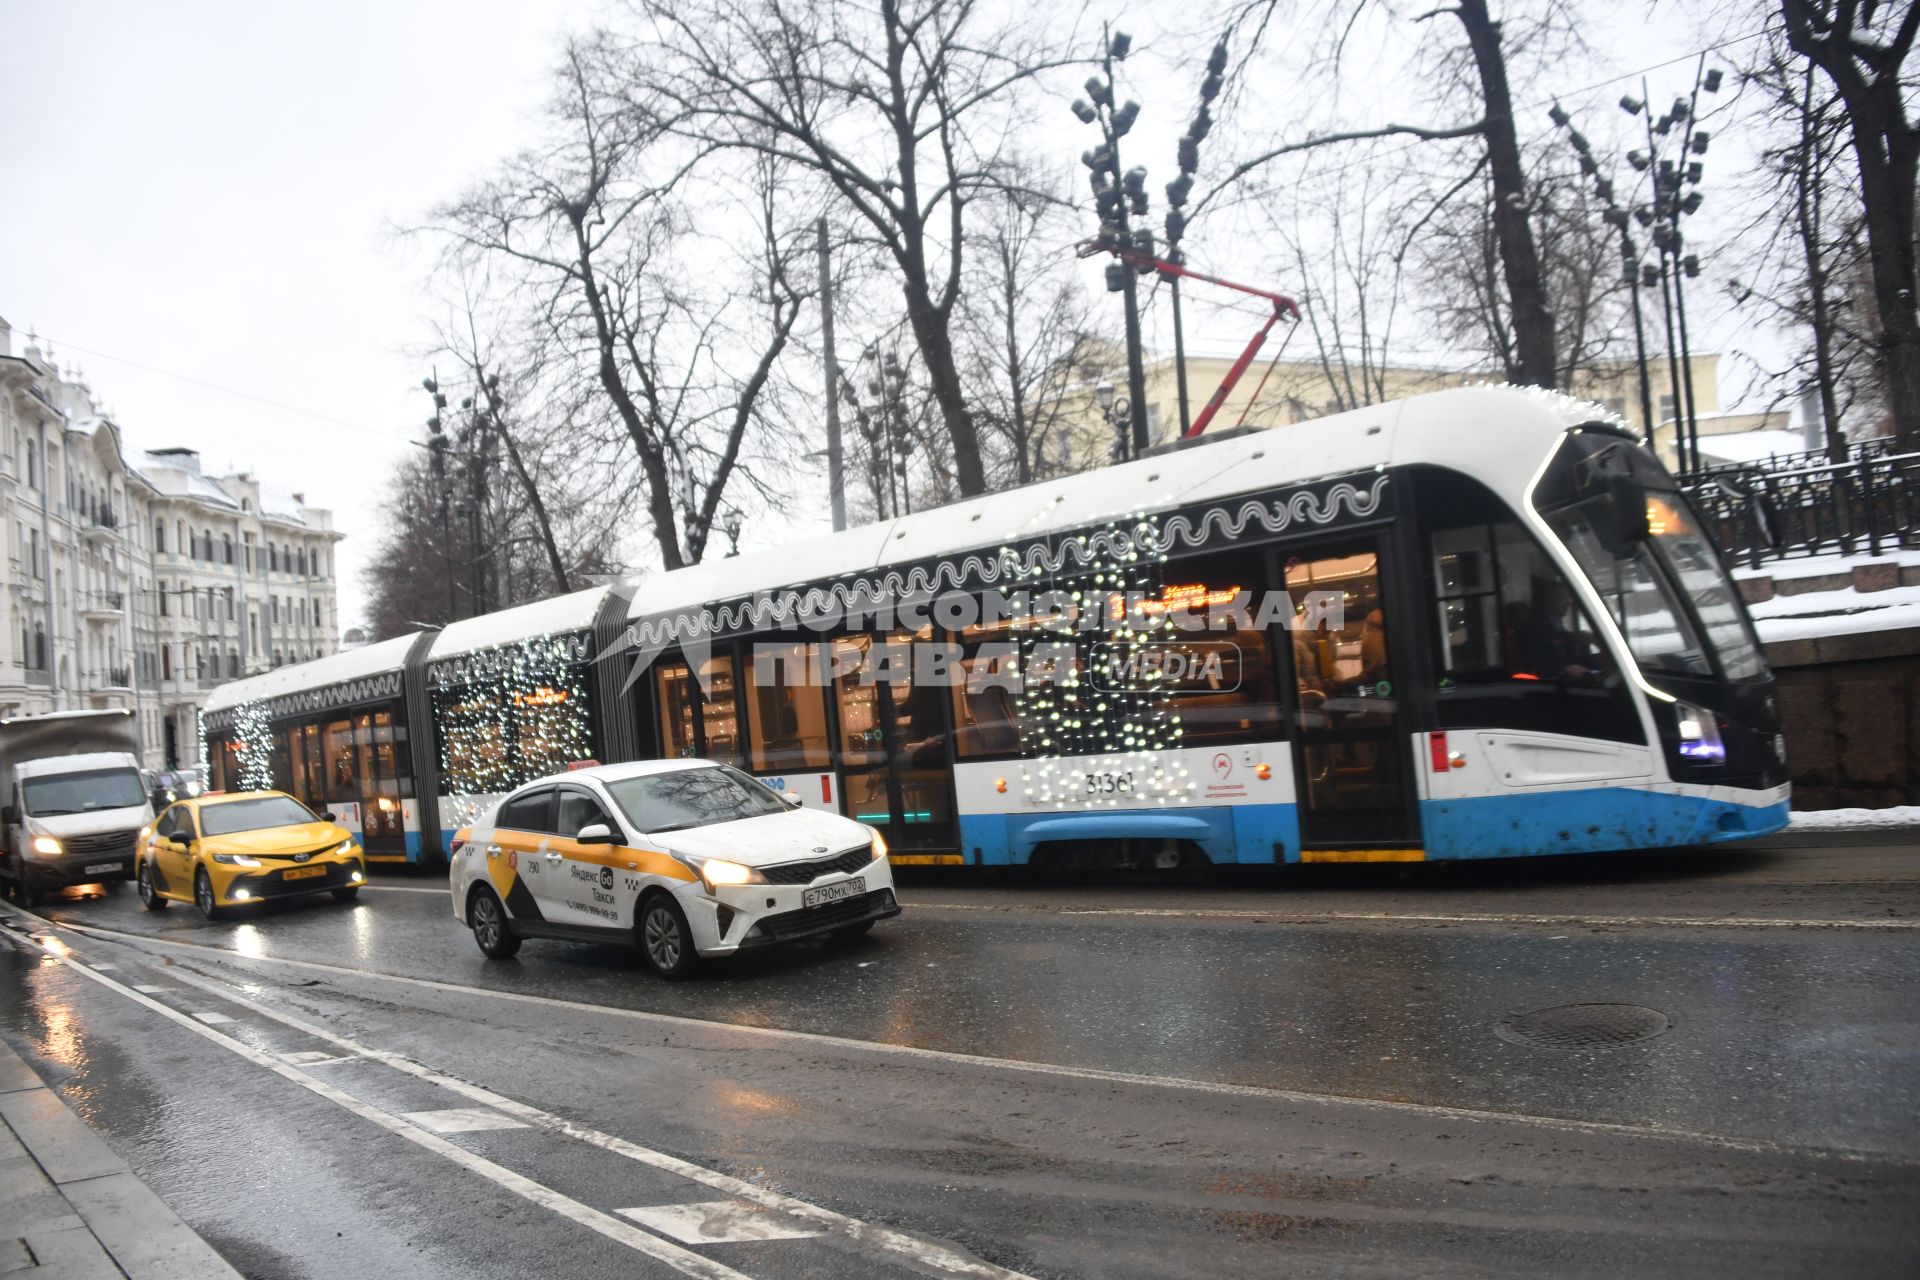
[(1668, 593)]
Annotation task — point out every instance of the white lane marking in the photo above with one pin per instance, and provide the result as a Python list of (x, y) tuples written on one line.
[(929, 1255), (1458, 917), (303, 1057), (1097, 1074), (147, 988), (211, 1018), (460, 1120), (106, 966), (606, 1224), (717, 1222)]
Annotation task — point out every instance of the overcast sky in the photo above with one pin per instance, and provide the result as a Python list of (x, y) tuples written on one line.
[(206, 190)]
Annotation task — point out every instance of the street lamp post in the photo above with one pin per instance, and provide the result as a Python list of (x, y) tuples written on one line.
[(1118, 197), (1617, 218), (1188, 159), (1675, 197), (437, 452), (1117, 412)]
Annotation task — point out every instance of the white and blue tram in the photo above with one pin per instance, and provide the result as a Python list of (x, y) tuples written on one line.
[(1536, 650)]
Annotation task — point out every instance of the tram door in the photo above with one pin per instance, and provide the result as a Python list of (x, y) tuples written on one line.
[(382, 816), (1350, 755), (895, 771)]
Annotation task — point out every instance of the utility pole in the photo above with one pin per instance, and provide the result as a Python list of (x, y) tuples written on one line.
[(835, 479)]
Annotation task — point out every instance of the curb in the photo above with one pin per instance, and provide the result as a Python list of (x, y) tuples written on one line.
[(69, 1205)]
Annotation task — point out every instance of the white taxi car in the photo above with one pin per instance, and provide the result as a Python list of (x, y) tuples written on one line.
[(684, 858)]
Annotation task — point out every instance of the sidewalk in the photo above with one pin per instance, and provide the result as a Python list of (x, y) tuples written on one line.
[(70, 1208)]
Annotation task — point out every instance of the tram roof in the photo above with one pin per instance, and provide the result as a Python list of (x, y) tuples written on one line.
[(556, 615), (335, 668), (1498, 433)]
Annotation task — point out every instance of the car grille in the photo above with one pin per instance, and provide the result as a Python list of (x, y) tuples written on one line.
[(111, 844), (270, 884), (290, 854), (811, 920), (808, 872)]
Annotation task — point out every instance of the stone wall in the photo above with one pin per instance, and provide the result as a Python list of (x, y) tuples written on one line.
[(1852, 709)]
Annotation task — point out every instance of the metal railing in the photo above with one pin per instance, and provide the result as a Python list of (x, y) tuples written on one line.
[(1869, 505)]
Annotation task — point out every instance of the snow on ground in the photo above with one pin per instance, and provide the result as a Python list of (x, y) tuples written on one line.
[(1832, 613), (1904, 815), (1818, 566)]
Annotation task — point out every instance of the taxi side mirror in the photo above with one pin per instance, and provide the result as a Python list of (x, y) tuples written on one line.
[(596, 833), (328, 817), (791, 797)]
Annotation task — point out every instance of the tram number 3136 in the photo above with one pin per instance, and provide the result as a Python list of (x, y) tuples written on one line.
[(1109, 783)]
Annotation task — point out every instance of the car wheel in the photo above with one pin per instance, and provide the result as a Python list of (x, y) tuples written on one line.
[(491, 928), (347, 894), (665, 938), (149, 896), (203, 896)]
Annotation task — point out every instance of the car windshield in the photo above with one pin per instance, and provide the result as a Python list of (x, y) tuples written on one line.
[(253, 815), (693, 798), (83, 792)]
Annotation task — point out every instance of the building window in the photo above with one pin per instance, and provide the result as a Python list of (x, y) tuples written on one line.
[(159, 535), (166, 662), (226, 548), (1666, 409)]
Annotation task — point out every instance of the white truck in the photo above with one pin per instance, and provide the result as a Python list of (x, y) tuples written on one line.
[(74, 800)]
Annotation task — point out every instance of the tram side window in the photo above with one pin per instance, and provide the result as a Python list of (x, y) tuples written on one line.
[(1514, 649), (787, 708), (696, 721), (1218, 661)]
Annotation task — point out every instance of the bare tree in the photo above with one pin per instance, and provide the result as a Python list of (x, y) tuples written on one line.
[(1350, 256), (1862, 47), (598, 223), (1529, 352), (902, 107), (1460, 267), (1026, 316), (1809, 265)]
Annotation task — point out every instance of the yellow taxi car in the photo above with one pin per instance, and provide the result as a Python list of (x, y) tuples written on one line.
[(222, 850)]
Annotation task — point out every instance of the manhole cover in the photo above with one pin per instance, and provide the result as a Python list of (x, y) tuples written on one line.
[(1584, 1026)]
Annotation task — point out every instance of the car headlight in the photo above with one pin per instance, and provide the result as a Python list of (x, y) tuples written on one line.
[(879, 846), (715, 872), (47, 845), (341, 850), (236, 859)]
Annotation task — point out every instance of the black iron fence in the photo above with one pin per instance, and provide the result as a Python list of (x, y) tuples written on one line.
[(1868, 505)]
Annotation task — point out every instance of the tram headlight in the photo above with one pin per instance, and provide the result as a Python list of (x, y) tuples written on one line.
[(1699, 734)]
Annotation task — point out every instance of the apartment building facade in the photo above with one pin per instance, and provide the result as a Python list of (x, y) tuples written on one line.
[(134, 579)]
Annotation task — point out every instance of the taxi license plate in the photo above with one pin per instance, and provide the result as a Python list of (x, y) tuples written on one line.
[(826, 893), (302, 873), (101, 868)]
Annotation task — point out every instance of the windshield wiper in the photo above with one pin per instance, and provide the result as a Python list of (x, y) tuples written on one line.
[(676, 826), (51, 813)]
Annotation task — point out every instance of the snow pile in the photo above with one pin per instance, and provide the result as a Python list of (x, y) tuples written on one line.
[(1900, 815), (1830, 613)]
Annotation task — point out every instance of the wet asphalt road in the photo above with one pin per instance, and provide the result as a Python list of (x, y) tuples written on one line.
[(1302, 1073)]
